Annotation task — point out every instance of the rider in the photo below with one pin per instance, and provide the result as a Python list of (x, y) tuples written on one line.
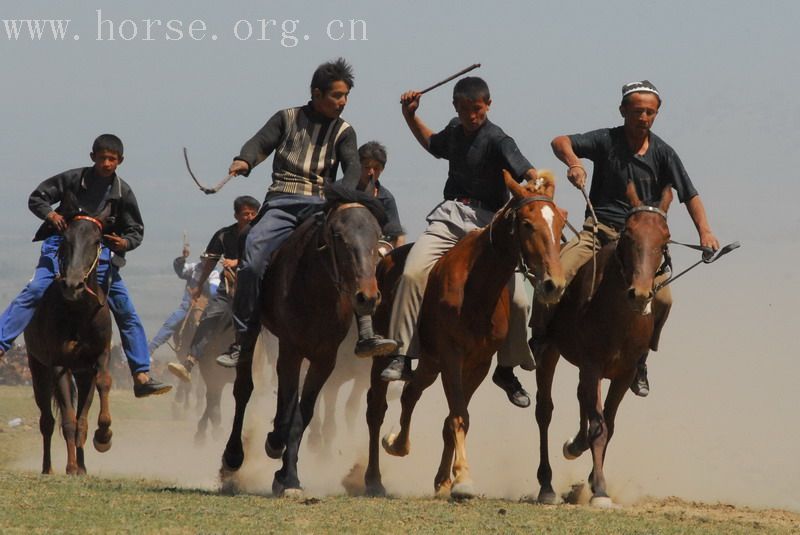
[(372, 156), (95, 188), (630, 152), (190, 272), (224, 245), (477, 151), (309, 143)]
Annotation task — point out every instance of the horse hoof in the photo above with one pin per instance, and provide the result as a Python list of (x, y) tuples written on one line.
[(272, 452), (462, 491), (102, 447), (375, 491), (567, 453), (293, 493), (389, 443), (601, 502), (547, 497), (229, 464)]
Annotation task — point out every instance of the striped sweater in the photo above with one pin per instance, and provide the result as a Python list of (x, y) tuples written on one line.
[(308, 149)]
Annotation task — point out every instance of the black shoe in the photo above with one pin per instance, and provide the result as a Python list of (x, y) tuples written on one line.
[(150, 388), (504, 378), (230, 358), (640, 385), (398, 370), (375, 346)]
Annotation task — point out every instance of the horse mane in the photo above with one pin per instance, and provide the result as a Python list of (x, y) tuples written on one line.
[(337, 193)]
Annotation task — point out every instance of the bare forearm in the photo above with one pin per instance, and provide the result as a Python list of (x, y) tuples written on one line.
[(420, 130), (562, 148), (698, 214)]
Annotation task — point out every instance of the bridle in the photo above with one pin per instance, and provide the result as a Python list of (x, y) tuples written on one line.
[(666, 264), (329, 243), (93, 267), (515, 205)]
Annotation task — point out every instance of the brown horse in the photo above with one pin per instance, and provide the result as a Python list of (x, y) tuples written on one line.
[(320, 277), (604, 335), (464, 320), (69, 339)]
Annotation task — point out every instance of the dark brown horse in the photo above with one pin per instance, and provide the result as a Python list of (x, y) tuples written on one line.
[(464, 320), (604, 335), (69, 339), (320, 277)]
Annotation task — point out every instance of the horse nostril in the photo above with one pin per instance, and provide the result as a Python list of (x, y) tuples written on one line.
[(361, 298), (631, 294), (549, 286)]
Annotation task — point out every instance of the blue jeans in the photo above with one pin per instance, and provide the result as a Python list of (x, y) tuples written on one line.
[(171, 324), (20, 312), (277, 220)]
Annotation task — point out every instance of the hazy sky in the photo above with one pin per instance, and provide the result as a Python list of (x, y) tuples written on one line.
[(728, 74)]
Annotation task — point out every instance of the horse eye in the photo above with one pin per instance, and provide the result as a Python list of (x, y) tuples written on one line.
[(527, 224)]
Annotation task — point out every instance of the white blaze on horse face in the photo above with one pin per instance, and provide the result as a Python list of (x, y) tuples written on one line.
[(549, 216)]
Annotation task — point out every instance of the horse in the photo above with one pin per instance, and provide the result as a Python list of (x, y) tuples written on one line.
[(215, 378), (320, 277), (604, 334), (69, 339), (464, 320)]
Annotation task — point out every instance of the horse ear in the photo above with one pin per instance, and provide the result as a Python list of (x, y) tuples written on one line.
[(666, 198), (633, 197), (516, 189), (545, 184)]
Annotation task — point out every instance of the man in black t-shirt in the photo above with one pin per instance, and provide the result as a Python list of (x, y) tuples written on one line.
[(372, 156), (477, 151), (627, 153), (224, 245)]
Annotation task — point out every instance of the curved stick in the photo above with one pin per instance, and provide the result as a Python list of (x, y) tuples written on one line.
[(204, 189), (456, 75)]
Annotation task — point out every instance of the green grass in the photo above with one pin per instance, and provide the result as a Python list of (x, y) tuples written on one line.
[(32, 503)]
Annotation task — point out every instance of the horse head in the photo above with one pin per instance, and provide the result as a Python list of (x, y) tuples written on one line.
[(538, 224), (351, 235), (641, 246), (79, 251)]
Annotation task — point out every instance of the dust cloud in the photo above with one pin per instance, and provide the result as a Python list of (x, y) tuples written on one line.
[(711, 429)]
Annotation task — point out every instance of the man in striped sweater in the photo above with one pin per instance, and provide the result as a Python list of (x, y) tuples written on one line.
[(309, 143)]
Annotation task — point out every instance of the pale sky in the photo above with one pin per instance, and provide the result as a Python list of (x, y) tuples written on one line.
[(728, 75)]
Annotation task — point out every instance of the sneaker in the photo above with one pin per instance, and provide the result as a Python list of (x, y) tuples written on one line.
[(375, 346), (182, 370), (640, 385), (504, 378), (398, 370), (150, 388), (230, 358)]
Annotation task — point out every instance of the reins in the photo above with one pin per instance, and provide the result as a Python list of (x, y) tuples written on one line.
[(333, 270)]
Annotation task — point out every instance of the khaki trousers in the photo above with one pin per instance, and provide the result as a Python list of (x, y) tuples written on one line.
[(447, 224)]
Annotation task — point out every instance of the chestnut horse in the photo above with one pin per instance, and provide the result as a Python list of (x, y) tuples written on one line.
[(464, 320), (604, 335), (320, 277), (69, 338)]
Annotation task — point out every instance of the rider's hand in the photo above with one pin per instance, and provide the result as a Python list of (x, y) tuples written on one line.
[(230, 263), (118, 244), (410, 102), (577, 175), (57, 221), (707, 239), (238, 167)]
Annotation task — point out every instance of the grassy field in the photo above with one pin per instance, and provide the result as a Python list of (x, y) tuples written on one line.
[(33, 503)]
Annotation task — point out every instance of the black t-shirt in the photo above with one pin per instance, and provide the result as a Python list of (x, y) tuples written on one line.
[(477, 162), (615, 164), (224, 242)]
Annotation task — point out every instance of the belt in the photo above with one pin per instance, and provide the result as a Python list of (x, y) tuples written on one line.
[(474, 203)]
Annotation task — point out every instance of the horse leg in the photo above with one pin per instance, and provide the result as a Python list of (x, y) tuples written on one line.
[(360, 386), (202, 423), (399, 445), (102, 436), (597, 435), (318, 372), (288, 371), (574, 447), (42, 379), (376, 411), (457, 423), (545, 370), (84, 380), (233, 456), (69, 424)]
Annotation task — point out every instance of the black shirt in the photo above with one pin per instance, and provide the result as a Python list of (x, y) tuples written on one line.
[(392, 229), (477, 162), (615, 164), (224, 242)]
